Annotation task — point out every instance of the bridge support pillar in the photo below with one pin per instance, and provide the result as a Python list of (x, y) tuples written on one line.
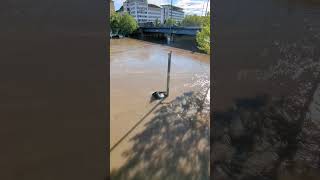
[(169, 38), (141, 33)]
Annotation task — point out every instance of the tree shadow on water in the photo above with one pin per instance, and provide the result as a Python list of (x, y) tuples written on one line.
[(173, 145)]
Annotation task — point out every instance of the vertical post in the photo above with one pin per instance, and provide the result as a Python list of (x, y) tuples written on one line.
[(171, 22), (168, 73), (206, 8)]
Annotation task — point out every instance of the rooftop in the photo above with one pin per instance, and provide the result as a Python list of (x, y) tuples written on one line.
[(153, 6), (145, 1), (175, 8), (120, 9)]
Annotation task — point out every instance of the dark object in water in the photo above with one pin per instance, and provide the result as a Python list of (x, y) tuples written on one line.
[(159, 95), (117, 36)]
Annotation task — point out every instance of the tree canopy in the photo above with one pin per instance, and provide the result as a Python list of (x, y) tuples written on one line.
[(123, 24), (115, 22), (192, 20), (170, 22), (203, 37), (195, 20)]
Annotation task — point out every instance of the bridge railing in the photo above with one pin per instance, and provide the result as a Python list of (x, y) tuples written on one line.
[(166, 27)]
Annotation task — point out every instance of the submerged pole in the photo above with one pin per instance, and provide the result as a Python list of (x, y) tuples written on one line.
[(168, 73)]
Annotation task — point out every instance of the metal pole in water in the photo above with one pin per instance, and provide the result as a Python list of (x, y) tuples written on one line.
[(168, 73)]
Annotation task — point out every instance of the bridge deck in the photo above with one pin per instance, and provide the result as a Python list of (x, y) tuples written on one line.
[(175, 30)]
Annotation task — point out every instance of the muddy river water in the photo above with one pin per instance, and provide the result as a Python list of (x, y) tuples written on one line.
[(138, 68)]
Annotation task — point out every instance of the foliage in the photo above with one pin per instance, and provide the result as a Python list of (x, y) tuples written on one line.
[(195, 20), (170, 22), (127, 24), (203, 37), (115, 19), (157, 22), (206, 19), (123, 24), (192, 20)]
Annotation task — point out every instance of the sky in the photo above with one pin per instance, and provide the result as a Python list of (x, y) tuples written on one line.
[(189, 6)]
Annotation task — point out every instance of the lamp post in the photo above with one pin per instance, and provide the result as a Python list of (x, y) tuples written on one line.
[(207, 7)]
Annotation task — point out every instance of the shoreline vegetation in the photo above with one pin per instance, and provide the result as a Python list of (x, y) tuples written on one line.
[(125, 25)]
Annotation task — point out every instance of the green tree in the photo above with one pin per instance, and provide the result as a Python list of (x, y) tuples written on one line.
[(127, 24), (170, 22), (123, 24), (203, 37), (192, 20), (206, 19), (115, 19)]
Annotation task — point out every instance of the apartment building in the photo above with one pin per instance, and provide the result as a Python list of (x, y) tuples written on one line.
[(138, 9), (177, 13), (154, 13), (145, 13)]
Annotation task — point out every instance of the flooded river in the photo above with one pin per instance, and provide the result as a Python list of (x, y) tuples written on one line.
[(139, 68)]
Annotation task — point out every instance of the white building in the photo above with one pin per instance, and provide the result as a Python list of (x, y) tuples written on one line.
[(138, 9), (177, 13), (144, 12), (154, 13)]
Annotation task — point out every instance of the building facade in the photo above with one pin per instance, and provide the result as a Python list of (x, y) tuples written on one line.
[(177, 13), (154, 13), (111, 7), (137, 9), (150, 13)]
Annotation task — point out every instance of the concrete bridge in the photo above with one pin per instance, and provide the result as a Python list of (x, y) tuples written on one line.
[(192, 31)]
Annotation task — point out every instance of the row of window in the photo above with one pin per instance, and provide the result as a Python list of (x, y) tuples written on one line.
[(137, 4), (155, 17), (150, 10), (154, 13), (142, 20), (144, 12), (139, 12), (175, 13), (137, 9)]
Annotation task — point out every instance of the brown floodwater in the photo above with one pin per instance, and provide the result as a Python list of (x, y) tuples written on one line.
[(139, 68)]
